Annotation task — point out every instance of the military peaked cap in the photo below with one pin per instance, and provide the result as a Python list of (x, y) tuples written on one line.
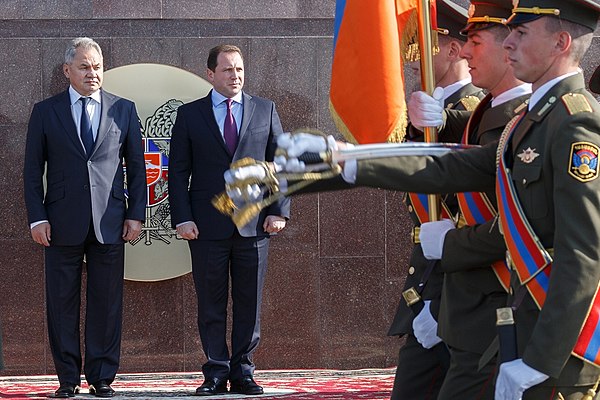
[(582, 12), (450, 18), (484, 14)]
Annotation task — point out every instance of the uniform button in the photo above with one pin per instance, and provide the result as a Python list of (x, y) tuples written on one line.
[(411, 270), (410, 208), (524, 181), (86, 187), (89, 163)]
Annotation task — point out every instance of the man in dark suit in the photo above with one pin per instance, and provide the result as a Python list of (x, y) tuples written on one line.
[(81, 137), (208, 135)]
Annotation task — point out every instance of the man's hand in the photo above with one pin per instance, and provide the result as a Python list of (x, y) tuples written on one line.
[(425, 110), (41, 233), (432, 236), (188, 230), (273, 223), (425, 327), (514, 378), (131, 229)]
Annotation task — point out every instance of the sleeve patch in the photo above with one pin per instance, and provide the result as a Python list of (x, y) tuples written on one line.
[(583, 164)]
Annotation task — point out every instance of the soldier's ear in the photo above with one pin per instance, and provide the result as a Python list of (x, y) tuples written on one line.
[(454, 49), (563, 41)]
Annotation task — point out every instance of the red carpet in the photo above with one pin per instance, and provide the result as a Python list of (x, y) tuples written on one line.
[(367, 384)]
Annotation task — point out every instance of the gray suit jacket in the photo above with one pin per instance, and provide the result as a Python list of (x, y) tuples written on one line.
[(79, 190)]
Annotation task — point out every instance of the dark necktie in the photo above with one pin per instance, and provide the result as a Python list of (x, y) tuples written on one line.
[(230, 129), (87, 137)]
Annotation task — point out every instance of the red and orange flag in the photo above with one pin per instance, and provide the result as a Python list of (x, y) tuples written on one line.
[(366, 98)]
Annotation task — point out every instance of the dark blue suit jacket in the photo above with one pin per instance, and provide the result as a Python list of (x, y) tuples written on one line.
[(78, 188), (198, 150)]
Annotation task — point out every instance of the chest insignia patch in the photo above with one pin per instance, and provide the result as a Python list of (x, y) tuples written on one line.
[(584, 161), (527, 156)]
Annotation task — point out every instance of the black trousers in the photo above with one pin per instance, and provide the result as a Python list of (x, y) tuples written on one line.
[(244, 260), (419, 374), (104, 308)]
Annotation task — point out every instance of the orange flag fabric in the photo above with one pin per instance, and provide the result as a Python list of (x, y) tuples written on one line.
[(366, 99)]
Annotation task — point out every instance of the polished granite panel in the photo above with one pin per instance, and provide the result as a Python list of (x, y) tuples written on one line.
[(19, 79), (193, 356), (398, 238), (190, 28), (146, 50), (316, 8), (12, 212), (11, 9), (256, 9), (352, 223), (56, 9), (22, 308), (324, 61), (353, 314), (124, 9), (284, 70), (195, 9), (158, 308), (290, 328), (302, 230)]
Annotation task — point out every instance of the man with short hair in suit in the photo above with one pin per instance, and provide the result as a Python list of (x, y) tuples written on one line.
[(209, 134), (80, 138)]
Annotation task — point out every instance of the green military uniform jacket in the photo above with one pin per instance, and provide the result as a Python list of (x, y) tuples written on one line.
[(562, 209), (402, 323), (472, 293)]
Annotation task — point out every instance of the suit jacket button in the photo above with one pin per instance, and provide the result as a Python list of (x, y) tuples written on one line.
[(86, 187)]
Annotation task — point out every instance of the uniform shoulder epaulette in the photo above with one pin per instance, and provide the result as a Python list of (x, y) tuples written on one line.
[(470, 103), (576, 103)]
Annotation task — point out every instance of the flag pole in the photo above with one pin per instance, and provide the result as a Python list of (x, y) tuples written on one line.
[(428, 84)]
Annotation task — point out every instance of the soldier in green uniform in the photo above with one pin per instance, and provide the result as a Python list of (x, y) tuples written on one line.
[(472, 293), (548, 174), (422, 362)]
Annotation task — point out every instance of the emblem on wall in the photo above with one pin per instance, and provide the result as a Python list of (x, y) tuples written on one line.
[(158, 91)]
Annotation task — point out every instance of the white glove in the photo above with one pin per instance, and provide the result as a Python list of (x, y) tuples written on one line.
[(298, 144), (426, 110), (432, 235), (425, 327), (514, 378), (250, 171), (250, 192)]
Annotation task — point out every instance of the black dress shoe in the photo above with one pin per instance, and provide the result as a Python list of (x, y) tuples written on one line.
[(212, 386), (101, 389), (246, 385), (66, 390)]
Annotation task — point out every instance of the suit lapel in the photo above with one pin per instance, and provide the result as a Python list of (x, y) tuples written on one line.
[(63, 110), (206, 110), (249, 107), (107, 101)]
